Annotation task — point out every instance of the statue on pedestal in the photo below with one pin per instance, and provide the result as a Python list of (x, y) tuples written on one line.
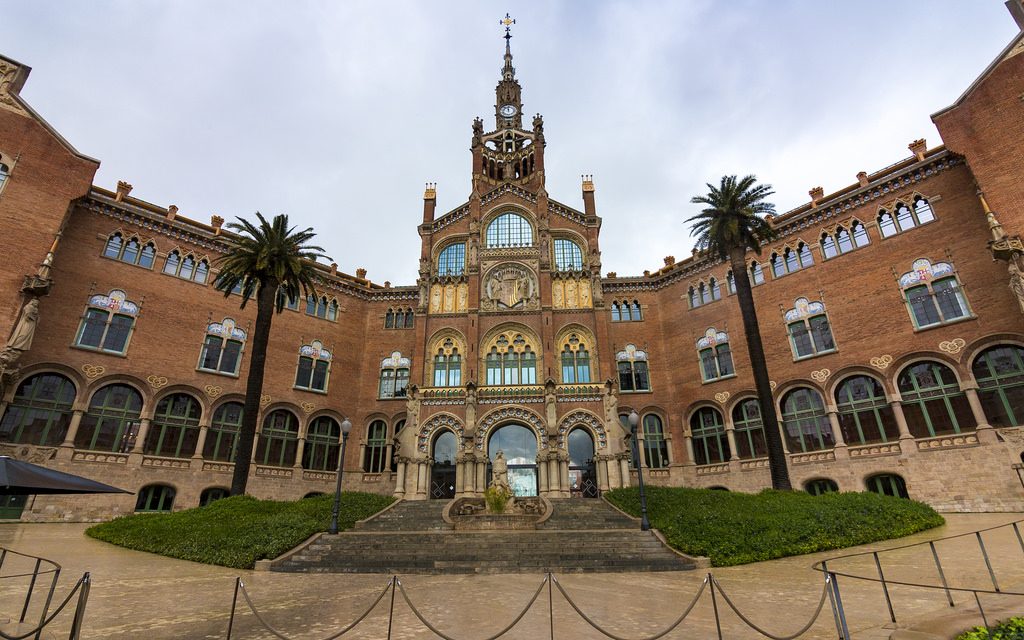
[(499, 473)]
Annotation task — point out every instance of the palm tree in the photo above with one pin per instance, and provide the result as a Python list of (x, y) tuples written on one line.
[(272, 263), (729, 226)]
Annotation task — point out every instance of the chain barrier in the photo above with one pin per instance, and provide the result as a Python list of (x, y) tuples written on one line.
[(613, 636), (82, 589), (508, 628), (749, 623)]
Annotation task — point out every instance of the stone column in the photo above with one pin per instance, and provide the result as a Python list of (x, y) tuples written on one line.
[(481, 474), (563, 473), (67, 447), (422, 477), (400, 479), (140, 437), (542, 474), (204, 430), (839, 450), (554, 477), (624, 471), (687, 440), (986, 434), (907, 444), (602, 473), (300, 449)]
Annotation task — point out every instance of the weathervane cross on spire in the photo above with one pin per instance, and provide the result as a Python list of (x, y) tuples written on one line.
[(507, 21)]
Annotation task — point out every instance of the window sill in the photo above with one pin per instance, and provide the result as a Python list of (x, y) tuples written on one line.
[(130, 264), (719, 379), (308, 390), (636, 391), (619, 321), (116, 354), (945, 324), (815, 355), (396, 397), (223, 374)]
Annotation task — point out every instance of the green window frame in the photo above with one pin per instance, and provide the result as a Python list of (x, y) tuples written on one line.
[(933, 402), (811, 336), (222, 438), (174, 431), (375, 455), (509, 230), (936, 303), (806, 425), (710, 442), (655, 445), (452, 260), (131, 252), (112, 421), (155, 498), (40, 412), (864, 413), (575, 362), (999, 371), (820, 486), (511, 367), (749, 430), (212, 494), (887, 484), (279, 439), (322, 445), (716, 362), (568, 255)]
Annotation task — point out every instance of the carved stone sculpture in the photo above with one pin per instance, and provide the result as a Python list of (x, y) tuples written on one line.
[(1017, 284), (499, 473), (25, 329), (510, 287)]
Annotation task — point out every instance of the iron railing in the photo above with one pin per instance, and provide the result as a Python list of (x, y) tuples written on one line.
[(40, 578)]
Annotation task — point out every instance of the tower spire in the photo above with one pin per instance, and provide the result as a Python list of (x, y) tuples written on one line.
[(509, 104), (508, 72)]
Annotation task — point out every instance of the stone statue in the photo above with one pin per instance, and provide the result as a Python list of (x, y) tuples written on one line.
[(21, 339), (412, 408), (499, 472), (1017, 284)]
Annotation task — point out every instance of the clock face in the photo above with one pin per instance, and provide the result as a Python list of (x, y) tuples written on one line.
[(507, 110)]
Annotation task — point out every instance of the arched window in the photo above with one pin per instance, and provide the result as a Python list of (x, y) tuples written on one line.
[(321, 450), (756, 273), (999, 372), (716, 290), (633, 372), (173, 263), (222, 348), (860, 234), (174, 431), (401, 318), (114, 245), (778, 265), (820, 486), (828, 246), (715, 356), (509, 230), (222, 439), (187, 267), (933, 294), (568, 255), (510, 363), (40, 411), (904, 217), (452, 260), (887, 484), (749, 430), (5, 171), (731, 280), (278, 440), (922, 210), (107, 322), (705, 293), (394, 376), (805, 423), (710, 444), (322, 307), (634, 311), (575, 361), (155, 498), (212, 494), (864, 414), (886, 224), (314, 367), (655, 445), (616, 313), (133, 251), (448, 365), (933, 403), (374, 456), (809, 330), (694, 298), (112, 422)]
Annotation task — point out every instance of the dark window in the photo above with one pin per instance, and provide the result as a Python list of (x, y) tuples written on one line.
[(887, 484), (174, 431), (375, 460), (933, 402), (805, 423), (279, 440), (864, 414), (710, 444), (155, 497), (821, 485), (112, 422), (746, 420), (40, 412), (322, 448), (1000, 375), (222, 439)]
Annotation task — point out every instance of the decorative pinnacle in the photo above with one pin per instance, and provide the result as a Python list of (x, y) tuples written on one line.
[(507, 21)]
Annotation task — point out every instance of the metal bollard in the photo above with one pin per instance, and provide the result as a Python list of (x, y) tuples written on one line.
[(49, 599), (391, 611), (234, 602), (844, 630), (714, 606), (551, 607), (83, 598)]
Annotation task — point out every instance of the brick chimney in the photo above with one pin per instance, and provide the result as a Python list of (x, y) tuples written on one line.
[(862, 178), (918, 147), (361, 273), (816, 193), (216, 222), (334, 268), (589, 205), (172, 212), (123, 189), (429, 202)]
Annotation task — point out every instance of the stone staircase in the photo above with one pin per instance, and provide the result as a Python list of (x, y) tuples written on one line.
[(582, 535)]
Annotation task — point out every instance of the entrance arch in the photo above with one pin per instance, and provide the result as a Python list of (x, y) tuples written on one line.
[(442, 471), (519, 444), (582, 471)]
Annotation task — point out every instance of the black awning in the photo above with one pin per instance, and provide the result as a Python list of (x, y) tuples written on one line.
[(24, 478)]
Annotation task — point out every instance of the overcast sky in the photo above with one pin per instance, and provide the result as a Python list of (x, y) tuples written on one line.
[(336, 113)]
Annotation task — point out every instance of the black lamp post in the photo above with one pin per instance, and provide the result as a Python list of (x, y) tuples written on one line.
[(346, 426), (634, 420)]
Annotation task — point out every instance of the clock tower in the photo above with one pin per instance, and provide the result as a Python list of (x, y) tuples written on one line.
[(508, 112)]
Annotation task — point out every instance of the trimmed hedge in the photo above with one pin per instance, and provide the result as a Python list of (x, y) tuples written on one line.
[(736, 528), (238, 531), (1012, 629)]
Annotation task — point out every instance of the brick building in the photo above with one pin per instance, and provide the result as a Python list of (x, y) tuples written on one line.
[(893, 331)]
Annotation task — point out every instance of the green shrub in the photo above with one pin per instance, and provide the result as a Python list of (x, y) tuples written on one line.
[(736, 528), (235, 532), (496, 499), (1012, 629)]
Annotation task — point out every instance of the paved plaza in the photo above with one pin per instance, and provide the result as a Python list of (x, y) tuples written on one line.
[(139, 595)]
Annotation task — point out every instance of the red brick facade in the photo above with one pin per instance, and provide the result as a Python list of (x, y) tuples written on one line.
[(517, 287)]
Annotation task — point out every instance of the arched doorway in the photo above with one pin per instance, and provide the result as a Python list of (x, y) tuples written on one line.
[(582, 473), (519, 444), (442, 472)]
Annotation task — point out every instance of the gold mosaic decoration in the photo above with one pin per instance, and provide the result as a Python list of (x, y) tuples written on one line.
[(157, 381), (953, 346), (722, 397), (265, 399), (881, 362), (213, 390), (308, 407), (93, 370), (821, 375)]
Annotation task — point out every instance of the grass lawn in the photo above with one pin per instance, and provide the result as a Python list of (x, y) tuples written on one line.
[(235, 532), (736, 528)]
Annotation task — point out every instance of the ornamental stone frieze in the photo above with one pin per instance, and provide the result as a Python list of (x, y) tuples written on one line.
[(572, 291), (450, 297)]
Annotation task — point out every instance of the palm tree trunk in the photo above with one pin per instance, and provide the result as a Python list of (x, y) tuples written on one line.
[(253, 388), (777, 462)]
